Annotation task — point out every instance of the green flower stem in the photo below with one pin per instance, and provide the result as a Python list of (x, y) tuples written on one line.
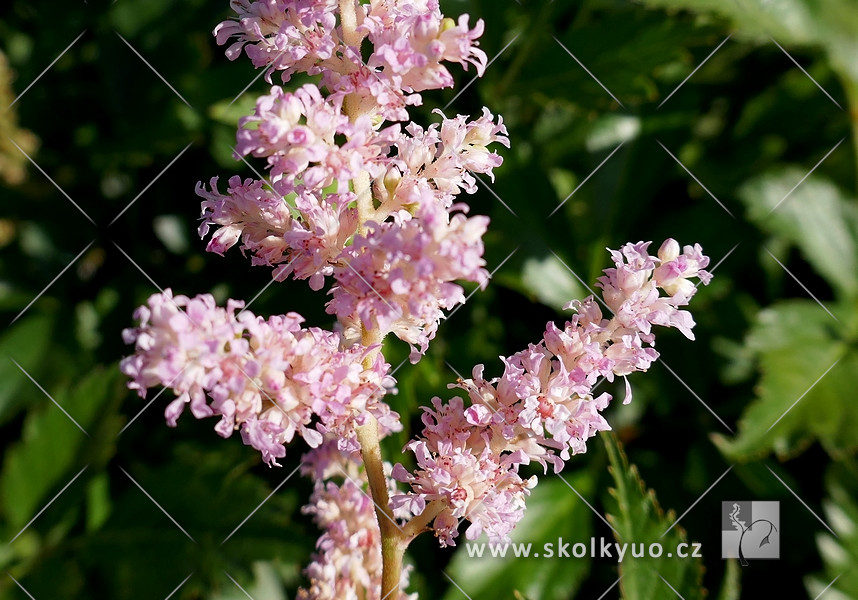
[(393, 542)]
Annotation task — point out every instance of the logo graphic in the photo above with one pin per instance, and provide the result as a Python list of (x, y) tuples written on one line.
[(750, 530)]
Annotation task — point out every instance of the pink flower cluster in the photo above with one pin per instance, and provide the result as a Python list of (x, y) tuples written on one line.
[(410, 40), (305, 237), (296, 131), (352, 197), (358, 199), (270, 379), (347, 563), (542, 408), (398, 277), (393, 264)]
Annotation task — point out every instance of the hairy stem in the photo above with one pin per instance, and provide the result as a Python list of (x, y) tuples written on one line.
[(348, 21), (392, 548), (362, 184), (365, 205)]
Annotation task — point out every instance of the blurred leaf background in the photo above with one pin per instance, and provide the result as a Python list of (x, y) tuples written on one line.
[(603, 100)]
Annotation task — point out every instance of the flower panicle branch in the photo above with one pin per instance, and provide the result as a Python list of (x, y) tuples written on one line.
[(542, 408)]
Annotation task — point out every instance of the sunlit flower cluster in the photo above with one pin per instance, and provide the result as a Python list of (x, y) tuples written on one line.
[(393, 264), (542, 408), (269, 379), (353, 198), (398, 277), (410, 41)]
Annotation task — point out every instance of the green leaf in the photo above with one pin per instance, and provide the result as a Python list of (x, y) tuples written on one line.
[(610, 130), (265, 585), (50, 450), (802, 394), (839, 554), (553, 512), (26, 342), (731, 587), (640, 44), (830, 24), (134, 17), (637, 518), (98, 502), (551, 282), (229, 112), (816, 217)]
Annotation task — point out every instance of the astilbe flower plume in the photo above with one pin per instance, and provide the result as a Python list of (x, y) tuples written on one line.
[(394, 268), (541, 408), (410, 41), (397, 278), (268, 378), (351, 197), (358, 198)]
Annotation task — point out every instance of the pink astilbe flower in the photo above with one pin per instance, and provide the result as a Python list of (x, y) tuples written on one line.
[(370, 203), (286, 35), (270, 379), (398, 277), (411, 39), (296, 132), (631, 288), (382, 98), (303, 37), (347, 563), (395, 270), (457, 467), (304, 236), (318, 237), (542, 408), (249, 212), (446, 154)]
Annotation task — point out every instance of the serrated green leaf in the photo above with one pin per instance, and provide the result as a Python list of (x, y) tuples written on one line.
[(731, 587), (553, 512), (805, 388), (637, 518), (815, 216), (210, 494), (49, 451), (839, 554)]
